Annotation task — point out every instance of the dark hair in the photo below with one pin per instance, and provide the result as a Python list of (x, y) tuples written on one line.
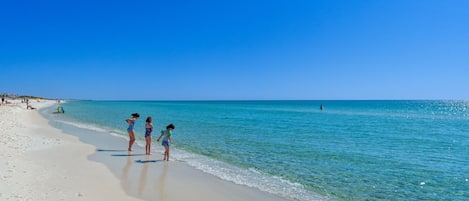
[(135, 115), (148, 120), (170, 126)]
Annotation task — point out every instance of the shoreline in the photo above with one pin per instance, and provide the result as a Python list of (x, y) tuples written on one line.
[(42, 163), (59, 153), (150, 178)]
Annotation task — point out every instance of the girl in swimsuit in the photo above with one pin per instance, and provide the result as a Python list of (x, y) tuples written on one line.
[(148, 130), (130, 129), (166, 134)]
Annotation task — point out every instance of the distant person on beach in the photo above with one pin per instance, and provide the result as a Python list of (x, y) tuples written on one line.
[(148, 130), (130, 129), (166, 134), (60, 109), (29, 106), (3, 100)]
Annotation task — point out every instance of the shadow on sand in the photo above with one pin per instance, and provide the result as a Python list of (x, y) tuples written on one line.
[(128, 154), (147, 161), (109, 150)]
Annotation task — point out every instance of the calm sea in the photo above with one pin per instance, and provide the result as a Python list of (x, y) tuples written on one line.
[(350, 150)]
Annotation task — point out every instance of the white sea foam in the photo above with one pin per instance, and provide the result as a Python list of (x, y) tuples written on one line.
[(82, 125), (250, 177)]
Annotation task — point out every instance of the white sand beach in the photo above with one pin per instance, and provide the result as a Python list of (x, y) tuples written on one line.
[(40, 162)]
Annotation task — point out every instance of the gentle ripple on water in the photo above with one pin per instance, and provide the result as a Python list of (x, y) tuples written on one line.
[(352, 150)]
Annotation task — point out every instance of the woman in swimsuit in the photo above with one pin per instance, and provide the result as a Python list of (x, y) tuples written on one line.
[(148, 130), (130, 129)]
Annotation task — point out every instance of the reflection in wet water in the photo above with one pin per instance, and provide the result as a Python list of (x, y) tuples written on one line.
[(161, 184)]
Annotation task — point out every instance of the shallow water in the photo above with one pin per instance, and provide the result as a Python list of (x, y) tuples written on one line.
[(350, 150)]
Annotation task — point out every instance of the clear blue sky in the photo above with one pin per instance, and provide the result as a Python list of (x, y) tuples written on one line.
[(219, 50)]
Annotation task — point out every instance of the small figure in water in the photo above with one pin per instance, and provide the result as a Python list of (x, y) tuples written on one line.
[(60, 109), (321, 107)]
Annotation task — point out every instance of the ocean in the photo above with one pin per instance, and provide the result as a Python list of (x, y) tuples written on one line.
[(349, 150)]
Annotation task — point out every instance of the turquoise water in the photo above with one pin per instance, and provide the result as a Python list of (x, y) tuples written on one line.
[(350, 150)]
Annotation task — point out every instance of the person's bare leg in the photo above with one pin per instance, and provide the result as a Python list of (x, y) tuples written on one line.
[(148, 145), (131, 140), (166, 153)]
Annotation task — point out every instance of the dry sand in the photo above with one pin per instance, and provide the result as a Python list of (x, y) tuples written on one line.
[(41, 163)]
